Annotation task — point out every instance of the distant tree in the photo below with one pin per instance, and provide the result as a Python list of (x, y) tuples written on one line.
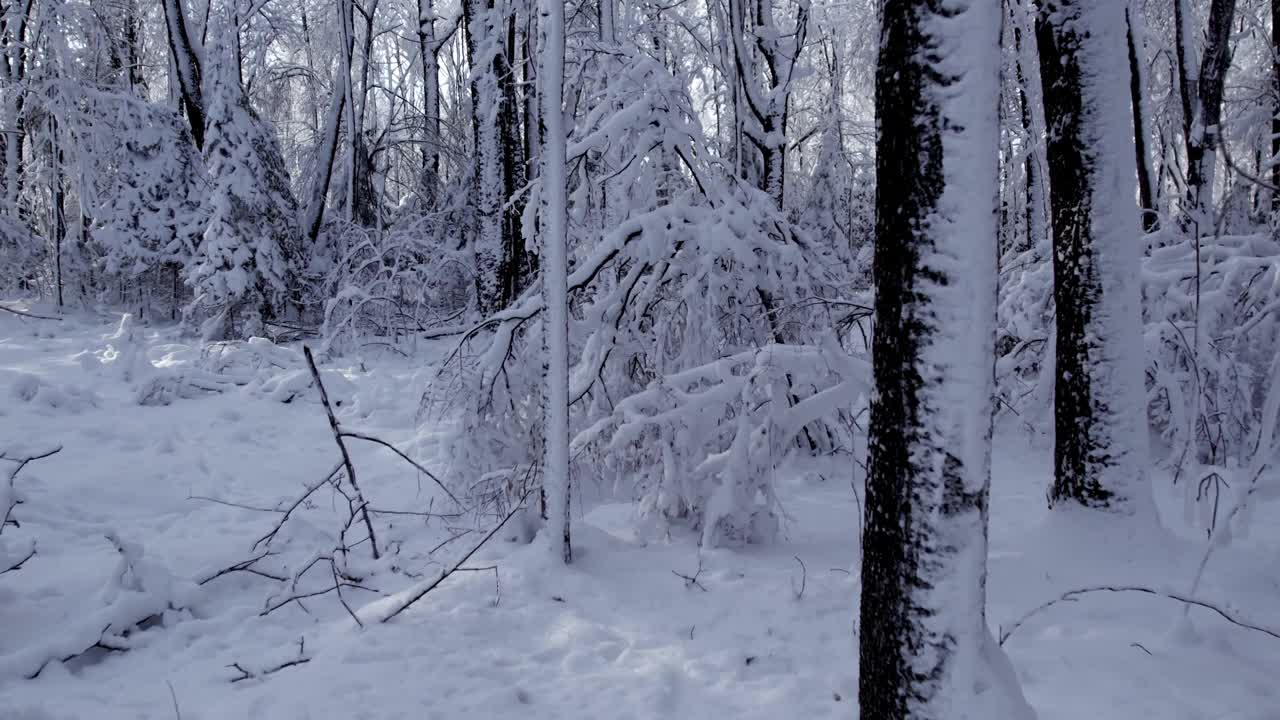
[(1100, 430)]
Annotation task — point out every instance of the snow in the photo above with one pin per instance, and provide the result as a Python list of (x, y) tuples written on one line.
[(615, 635)]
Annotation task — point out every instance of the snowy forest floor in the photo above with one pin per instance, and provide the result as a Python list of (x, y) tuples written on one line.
[(766, 632)]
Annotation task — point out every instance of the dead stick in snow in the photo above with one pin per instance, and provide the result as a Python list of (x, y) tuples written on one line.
[(458, 565), (411, 461), (1071, 595), (346, 457), (30, 315)]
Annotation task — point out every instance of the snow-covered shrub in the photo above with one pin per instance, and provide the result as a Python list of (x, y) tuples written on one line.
[(1211, 334), (384, 285)]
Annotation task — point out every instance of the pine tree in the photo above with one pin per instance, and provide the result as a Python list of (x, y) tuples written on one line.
[(1099, 410), (924, 646), (244, 270)]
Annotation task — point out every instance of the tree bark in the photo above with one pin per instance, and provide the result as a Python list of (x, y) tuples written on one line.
[(556, 285), (1275, 105), (924, 646), (431, 101), (186, 62), (1205, 131), (1138, 101), (1099, 409)]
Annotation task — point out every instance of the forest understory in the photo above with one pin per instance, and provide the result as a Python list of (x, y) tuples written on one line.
[(641, 625)]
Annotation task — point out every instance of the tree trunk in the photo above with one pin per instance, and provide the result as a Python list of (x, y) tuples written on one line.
[(1138, 101), (431, 101), (13, 132), (1205, 130), (326, 153), (924, 646), (186, 62), (556, 285), (1099, 409), (1275, 105), (1032, 107), (495, 116)]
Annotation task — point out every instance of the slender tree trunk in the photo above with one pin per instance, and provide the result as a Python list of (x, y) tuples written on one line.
[(1030, 96), (326, 154), (556, 284), (1099, 409), (1138, 101), (1275, 105), (431, 100), (13, 132), (924, 646)]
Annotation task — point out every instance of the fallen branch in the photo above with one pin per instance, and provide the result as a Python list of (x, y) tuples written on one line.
[(411, 461), (804, 575), (246, 674), (266, 539), (346, 457), (30, 315), (692, 581), (417, 595), (18, 565), (1071, 595)]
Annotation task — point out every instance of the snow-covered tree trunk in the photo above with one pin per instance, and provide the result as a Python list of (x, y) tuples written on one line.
[(555, 283), (16, 19), (186, 63), (430, 57), (1100, 441), (498, 241), (1032, 107), (1275, 105), (925, 651), (326, 154)]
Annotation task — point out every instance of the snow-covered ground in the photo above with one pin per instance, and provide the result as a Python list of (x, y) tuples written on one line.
[(765, 632)]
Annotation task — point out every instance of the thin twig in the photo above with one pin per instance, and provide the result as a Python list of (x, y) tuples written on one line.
[(404, 605), (804, 575), (1071, 595), (177, 711), (411, 461), (692, 581), (18, 565)]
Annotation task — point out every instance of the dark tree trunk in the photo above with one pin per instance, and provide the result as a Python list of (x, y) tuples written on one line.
[(923, 641), (186, 61), (1205, 130), (1138, 100), (1099, 413)]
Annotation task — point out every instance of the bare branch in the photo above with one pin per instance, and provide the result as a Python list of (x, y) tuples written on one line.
[(346, 457), (1072, 595)]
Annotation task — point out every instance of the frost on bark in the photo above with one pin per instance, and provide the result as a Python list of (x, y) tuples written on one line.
[(1275, 105), (556, 284), (15, 21), (501, 268), (429, 54), (1099, 410), (924, 647)]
